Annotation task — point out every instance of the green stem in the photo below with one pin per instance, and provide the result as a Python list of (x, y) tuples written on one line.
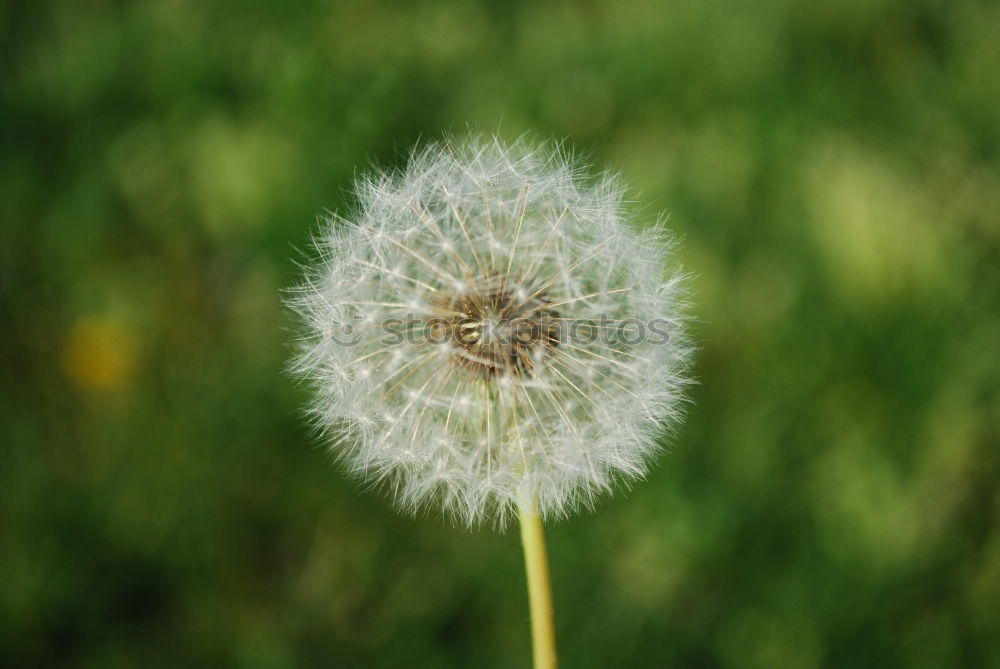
[(536, 563)]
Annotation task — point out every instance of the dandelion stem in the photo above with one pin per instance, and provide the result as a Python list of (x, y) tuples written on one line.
[(536, 563)]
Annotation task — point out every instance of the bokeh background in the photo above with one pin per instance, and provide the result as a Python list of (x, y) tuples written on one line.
[(833, 169)]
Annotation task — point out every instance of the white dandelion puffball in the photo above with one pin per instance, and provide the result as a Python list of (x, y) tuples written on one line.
[(489, 330)]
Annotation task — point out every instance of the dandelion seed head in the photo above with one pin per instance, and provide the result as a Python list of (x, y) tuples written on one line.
[(467, 332)]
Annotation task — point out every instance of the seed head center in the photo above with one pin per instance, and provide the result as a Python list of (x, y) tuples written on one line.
[(501, 327)]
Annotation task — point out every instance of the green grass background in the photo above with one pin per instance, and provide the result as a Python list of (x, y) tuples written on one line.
[(832, 167)]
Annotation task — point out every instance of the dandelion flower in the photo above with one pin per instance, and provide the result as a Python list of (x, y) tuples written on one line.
[(488, 333), (488, 328)]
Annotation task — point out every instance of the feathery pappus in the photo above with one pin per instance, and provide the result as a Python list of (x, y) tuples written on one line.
[(489, 328)]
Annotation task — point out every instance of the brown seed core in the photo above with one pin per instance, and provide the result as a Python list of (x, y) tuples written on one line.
[(503, 326)]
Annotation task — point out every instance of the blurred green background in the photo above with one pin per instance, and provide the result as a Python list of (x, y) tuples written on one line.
[(833, 499)]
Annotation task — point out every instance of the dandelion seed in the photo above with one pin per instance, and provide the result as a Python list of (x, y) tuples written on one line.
[(515, 379)]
